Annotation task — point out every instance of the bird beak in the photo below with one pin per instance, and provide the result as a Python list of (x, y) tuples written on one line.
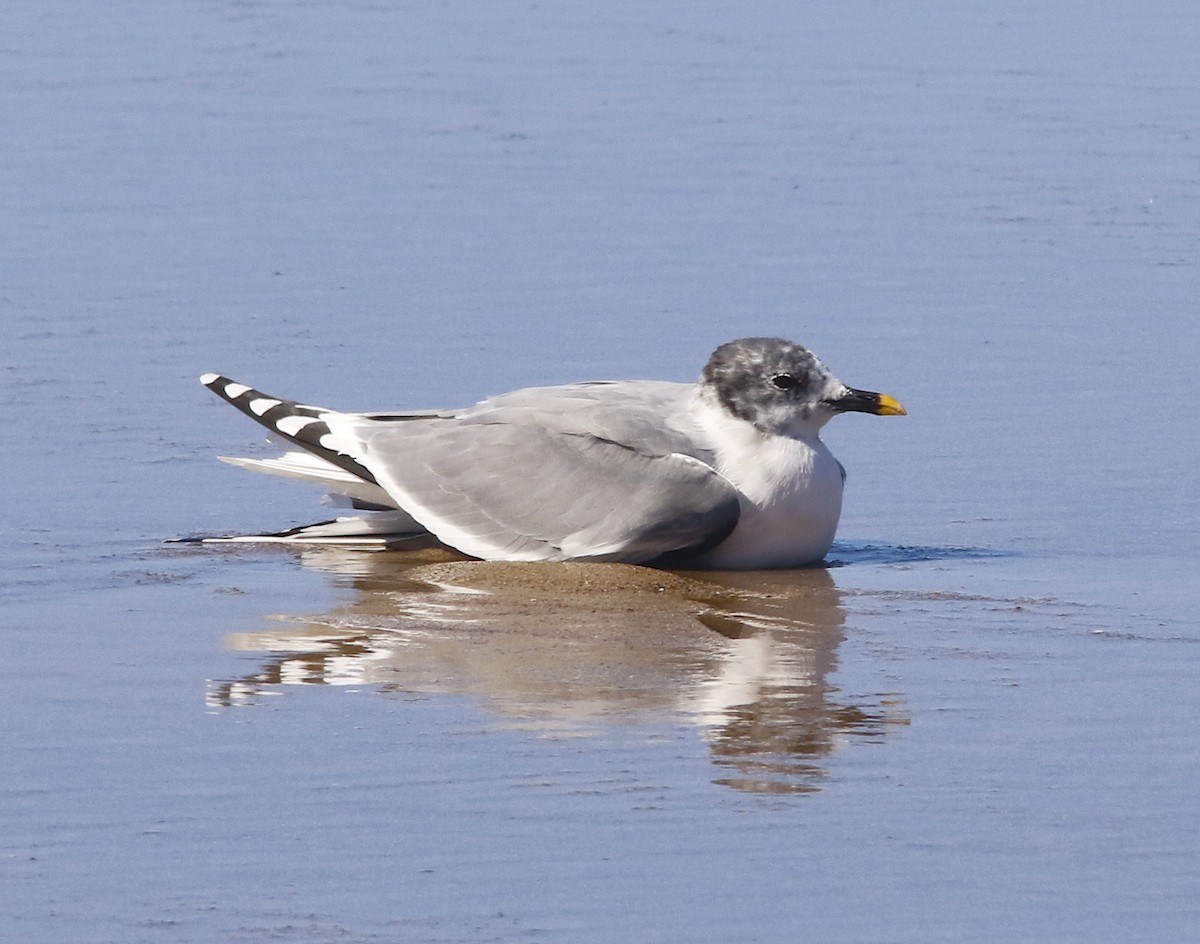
[(865, 401)]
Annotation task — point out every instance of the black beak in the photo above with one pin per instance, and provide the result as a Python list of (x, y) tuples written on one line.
[(866, 401)]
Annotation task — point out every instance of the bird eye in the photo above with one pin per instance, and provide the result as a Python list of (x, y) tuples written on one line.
[(785, 381)]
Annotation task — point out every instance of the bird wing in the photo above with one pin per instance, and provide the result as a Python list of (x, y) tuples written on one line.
[(520, 491), (601, 471)]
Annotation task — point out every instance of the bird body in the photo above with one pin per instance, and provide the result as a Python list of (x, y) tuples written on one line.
[(727, 473)]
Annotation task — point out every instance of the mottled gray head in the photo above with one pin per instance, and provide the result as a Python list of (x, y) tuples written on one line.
[(783, 388)]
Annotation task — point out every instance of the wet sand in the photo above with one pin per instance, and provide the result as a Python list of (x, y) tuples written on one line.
[(563, 648)]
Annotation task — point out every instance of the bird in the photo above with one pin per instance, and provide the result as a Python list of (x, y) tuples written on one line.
[(728, 473)]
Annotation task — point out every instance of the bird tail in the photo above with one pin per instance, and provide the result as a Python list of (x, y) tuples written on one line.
[(305, 426), (324, 459), (343, 487)]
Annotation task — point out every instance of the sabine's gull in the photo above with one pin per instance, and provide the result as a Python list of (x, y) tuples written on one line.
[(726, 473)]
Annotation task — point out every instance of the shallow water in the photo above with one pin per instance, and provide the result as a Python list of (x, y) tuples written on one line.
[(978, 723)]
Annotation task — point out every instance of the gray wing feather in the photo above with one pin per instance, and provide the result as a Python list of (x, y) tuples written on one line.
[(646, 415), (507, 486)]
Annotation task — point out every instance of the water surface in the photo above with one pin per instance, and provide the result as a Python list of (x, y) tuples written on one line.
[(978, 723)]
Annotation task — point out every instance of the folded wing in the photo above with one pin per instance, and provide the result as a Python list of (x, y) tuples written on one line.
[(513, 491), (588, 471)]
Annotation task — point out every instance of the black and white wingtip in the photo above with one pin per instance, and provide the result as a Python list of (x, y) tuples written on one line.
[(306, 426)]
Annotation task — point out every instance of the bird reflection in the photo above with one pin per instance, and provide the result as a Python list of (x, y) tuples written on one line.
[(565, 648)]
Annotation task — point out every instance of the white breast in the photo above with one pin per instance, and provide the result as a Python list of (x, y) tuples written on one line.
[(790, 490)]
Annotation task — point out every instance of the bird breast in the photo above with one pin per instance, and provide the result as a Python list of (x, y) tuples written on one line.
[(791, 497)]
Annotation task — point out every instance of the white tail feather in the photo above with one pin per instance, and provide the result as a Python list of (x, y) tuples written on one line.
[(310, 468)]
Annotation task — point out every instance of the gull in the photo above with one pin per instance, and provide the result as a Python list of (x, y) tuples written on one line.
[(727, 473)]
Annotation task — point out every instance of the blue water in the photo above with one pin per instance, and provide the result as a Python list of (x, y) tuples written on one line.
[(981, 723)]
